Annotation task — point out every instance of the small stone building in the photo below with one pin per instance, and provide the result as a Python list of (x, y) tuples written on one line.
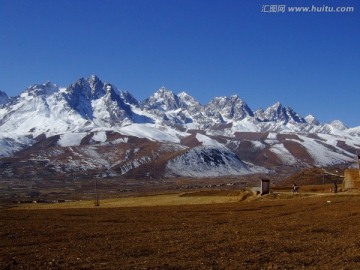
[(351, 179)]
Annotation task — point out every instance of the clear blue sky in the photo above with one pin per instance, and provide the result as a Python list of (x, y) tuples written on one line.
[(310, 62)]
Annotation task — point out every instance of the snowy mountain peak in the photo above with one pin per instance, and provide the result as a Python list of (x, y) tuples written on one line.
[(260, 115), (274, 108), (338, 125), (277, 104), (45, 89), (129, 98), (310, 119), (97, 86), (163, 99), (88, 89), (184, 96), (230, 107), (224, 101), (285, 115), (187, 101), (93, 78), (4, 98), (163, 92)]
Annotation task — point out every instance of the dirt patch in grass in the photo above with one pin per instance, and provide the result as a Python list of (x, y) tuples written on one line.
[(241, 195)]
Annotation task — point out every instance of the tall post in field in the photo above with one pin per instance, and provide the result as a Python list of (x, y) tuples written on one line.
[(96, 194), (358, 156)]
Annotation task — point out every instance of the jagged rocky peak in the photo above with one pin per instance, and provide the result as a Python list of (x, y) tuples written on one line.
[(80, 87), (294, 116), (260, 115), (187, 101), (338, 125), (185, 97), (93, 79), (108, 87), (4, 98), (232, 107), (274, 110), (310, 119), (164, 93), (46, 89), (129, 98), (91, 88), (277, 112), (163, 99), (225, 101), (97, 86)]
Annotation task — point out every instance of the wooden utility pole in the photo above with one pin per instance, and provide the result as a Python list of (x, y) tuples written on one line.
[(358, 156), (96, 194)]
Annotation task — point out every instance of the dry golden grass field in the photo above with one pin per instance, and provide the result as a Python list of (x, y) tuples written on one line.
[(201, 230)]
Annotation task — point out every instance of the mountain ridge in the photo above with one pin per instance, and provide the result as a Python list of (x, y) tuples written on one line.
[(90, 125), (232, 108)]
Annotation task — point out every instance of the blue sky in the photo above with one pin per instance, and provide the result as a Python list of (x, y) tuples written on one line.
[(308, 61)]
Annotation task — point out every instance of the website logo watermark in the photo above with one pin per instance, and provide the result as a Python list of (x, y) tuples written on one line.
[(306, 9)]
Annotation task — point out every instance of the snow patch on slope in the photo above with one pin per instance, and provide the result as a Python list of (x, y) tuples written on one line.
[(321, 154), (71, 139), (258, 145), (246, 124), (100, 136), (207, 161), (10, 143), (206, 141), (283, 154), (153, 132)]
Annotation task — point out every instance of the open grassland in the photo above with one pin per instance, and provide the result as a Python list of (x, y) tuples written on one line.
[(140, 201), (196, 197), (278, 231)]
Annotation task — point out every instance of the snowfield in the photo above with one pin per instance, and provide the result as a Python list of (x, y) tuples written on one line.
[(71, 139)]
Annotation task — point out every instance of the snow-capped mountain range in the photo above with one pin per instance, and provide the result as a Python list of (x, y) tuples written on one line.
[(223, 137)]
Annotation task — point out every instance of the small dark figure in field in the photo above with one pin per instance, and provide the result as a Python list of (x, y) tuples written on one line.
[(335, 187), (295, 188)]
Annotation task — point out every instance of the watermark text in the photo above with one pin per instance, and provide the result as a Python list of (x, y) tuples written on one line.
[(305, 9)]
